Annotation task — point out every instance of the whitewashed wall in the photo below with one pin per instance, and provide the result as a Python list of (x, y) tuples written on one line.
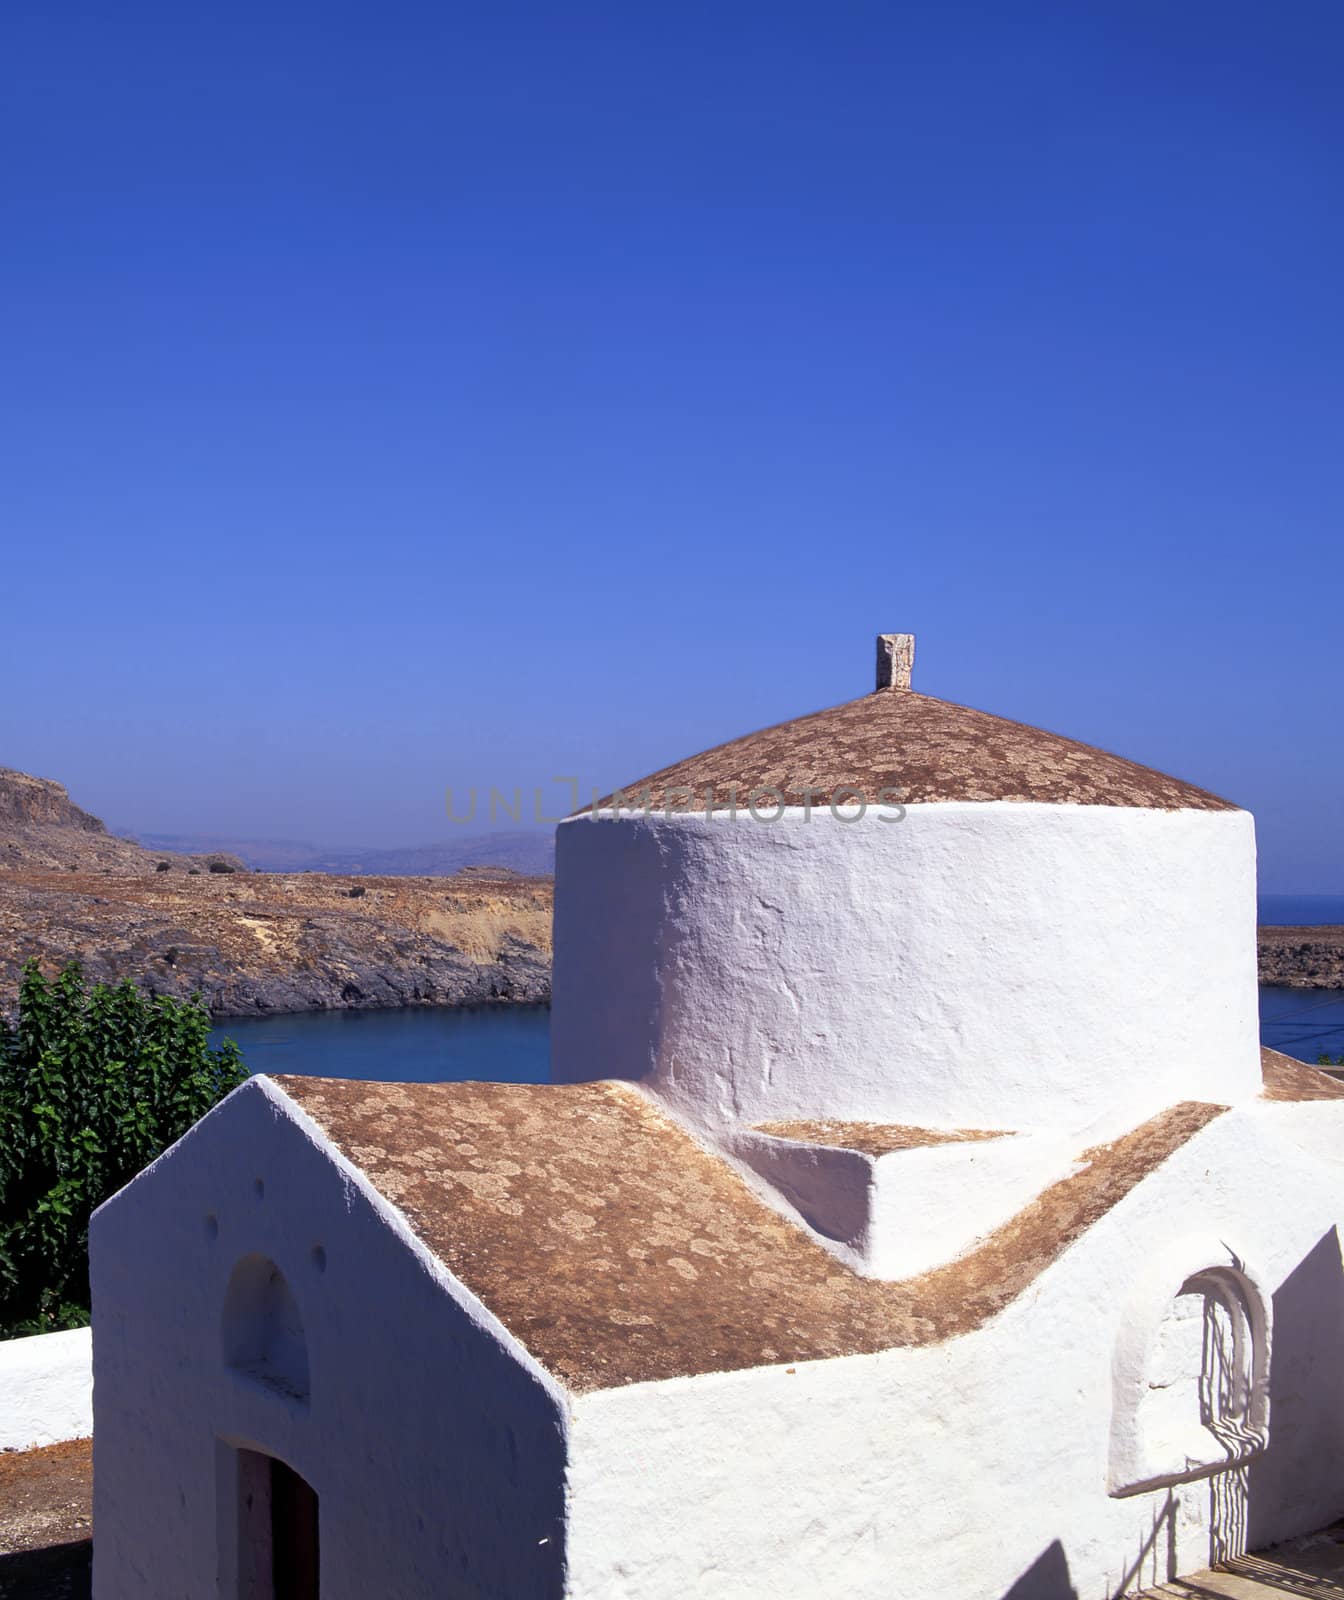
[(436, 1446), (46, 1389), (975, 965), (980, 1468)]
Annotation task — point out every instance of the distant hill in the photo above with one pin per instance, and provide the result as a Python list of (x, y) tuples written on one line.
[(532, 854), (261, 855)]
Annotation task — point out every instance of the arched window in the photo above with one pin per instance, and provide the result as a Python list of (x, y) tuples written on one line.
[(263, 1331), (1190, 1383)]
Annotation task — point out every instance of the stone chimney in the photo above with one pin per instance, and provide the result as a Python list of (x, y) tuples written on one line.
[(895, 660)]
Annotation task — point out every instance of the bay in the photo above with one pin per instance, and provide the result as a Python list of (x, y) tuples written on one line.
[(511, 1044)]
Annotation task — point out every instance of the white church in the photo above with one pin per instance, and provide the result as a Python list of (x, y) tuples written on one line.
[(913, 1216)]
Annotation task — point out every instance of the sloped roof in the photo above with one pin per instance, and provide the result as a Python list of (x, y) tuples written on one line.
[(1286, 1078), (921, 748), (616, 1249)]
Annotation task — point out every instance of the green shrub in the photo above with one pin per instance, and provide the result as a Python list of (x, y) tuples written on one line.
[(94, 1084)]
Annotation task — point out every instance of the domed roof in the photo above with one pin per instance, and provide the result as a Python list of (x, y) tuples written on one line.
[(921, 748)]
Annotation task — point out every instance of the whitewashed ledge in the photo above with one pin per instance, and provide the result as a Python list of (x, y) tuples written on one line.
[(46, 1389)]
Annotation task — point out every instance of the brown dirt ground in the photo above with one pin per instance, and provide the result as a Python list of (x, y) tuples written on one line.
[(46, 1518)]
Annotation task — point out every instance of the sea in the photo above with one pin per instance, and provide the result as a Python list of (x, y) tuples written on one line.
[(414, 1044)]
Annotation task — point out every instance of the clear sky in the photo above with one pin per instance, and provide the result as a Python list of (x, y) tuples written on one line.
[(400, 395)]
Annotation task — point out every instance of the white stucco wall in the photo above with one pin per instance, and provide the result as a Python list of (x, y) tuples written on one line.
[(436, 1446), (46, 1389), (980, 1468), (995, 965)]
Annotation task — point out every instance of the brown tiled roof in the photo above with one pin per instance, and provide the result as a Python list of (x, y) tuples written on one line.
[(924, 749), (873, 1138), (1286, 1078), (616, 1249)]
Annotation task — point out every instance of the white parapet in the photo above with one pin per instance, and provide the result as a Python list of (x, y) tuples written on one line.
[(46, 1389), (899, 1214)]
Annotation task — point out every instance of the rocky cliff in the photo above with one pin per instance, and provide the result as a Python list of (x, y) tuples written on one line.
[(27, 803), (41, 828)]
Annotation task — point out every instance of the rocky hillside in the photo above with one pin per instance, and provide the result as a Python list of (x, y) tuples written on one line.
[(253, 942), (27, 803), (41, 828)]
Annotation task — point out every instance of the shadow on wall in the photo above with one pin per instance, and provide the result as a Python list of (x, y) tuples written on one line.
[(1285, 1493), (1155, 1561), (1229, 1514), (1047, 1578)]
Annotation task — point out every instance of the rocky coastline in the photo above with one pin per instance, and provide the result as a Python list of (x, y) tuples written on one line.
[(253, 942), (286, 942), (1302, 958)]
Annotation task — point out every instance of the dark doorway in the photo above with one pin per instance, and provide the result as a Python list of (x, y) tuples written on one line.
[(276, 1554), (294, 1544)]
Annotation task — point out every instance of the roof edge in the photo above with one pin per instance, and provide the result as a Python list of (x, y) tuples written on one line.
[(473, 1308)]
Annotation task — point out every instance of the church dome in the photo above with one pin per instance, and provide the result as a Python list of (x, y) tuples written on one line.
[(905, 911), (921, 748)]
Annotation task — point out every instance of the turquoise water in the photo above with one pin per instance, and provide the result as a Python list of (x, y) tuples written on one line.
[(417, 1044), (511, 1044)]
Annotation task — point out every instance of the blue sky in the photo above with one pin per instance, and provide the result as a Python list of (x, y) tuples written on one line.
[(404, 395)]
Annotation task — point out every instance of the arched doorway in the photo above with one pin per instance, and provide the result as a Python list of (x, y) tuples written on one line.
[(279, 1544)]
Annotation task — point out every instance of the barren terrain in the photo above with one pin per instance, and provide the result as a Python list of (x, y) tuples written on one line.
[(253, 942)]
